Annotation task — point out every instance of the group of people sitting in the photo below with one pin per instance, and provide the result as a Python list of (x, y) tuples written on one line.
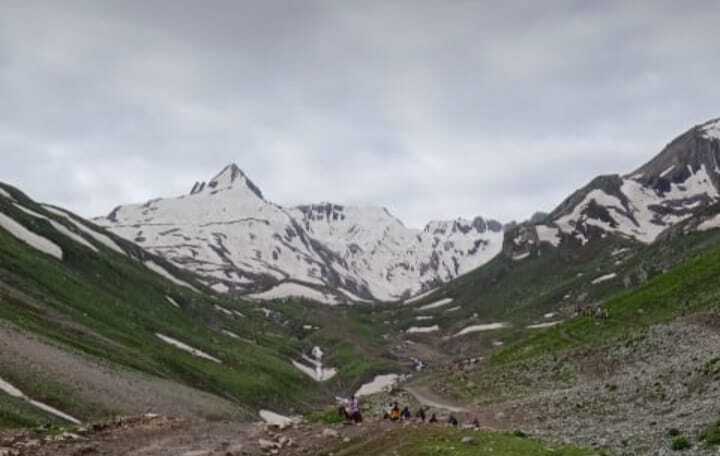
[(350, 411), (394, 413)]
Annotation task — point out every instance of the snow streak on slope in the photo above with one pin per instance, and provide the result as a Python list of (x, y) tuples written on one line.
[(163, 272), (236, 240), (185, 347), (99, 237), (16, 393), (60, 228), (33, 240), (294, 290)]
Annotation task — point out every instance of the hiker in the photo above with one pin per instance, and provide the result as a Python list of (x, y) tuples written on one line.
[(599, 313), (421, 414), (395, 412), (433, 419), (355, 414), (476, 423), (405, 414), (343, 412), (452, 421)]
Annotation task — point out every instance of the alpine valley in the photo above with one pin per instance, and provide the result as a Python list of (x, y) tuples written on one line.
[(200, 325)]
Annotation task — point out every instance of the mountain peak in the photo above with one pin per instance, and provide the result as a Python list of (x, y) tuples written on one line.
[(231, 177)]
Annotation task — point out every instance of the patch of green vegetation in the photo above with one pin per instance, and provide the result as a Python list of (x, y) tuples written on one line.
[(17, 413), (711, 435), (690, 287), (328, 416), (443, 441), (680, 443)]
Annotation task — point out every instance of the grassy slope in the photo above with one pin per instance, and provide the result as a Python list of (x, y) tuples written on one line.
[(552, 279), (109, 307), (692, 286), (443, 441)]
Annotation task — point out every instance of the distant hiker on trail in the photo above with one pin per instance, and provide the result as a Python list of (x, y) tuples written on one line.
[(433, 419), (476, 423), (405, 414), (395, 412), (355, 414), (343, 411), (452, 421), (421, 414)]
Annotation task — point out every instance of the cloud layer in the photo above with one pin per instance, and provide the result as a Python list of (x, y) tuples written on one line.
[(433, 109)]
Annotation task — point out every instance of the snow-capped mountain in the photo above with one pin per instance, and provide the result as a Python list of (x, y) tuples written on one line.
[(674, 186), (236, 241)]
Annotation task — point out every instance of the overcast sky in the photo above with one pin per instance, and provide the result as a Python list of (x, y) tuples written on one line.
[(434, 109)]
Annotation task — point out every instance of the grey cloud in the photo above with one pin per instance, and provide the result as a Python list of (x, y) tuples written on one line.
[(434, 109)]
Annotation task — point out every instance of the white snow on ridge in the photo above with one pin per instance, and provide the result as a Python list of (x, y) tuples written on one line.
[(380, 384), (228, 226), (435, 305), (161, 271), (294, 290), (16, 393), (548, 234), (7, 195), (59, 228), (712, 130), (604, 278), (521, 256), (28, 237), (710, 224), (423, 329), (99, 237), (187, 348), (481, 328)]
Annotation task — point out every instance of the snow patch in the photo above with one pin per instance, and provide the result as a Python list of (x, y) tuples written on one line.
[(710, 224), (604, 278), (163, 272), (294, 290), (436, 304), (423, 329), (424, 317), (521, 256), (220, 288), (28, 237), (230, 334), (381, 384), (317, 372), (548, 324), (16, 393), (187, 348), (712, 130), (59, 228), (172, 302), (274, 419), (224, 310), (7, 195), (548, 234), (481, 328), (420, 297), (99, 237)]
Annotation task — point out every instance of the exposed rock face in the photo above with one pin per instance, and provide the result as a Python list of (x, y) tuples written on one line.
[(675, 186), (237, 241)]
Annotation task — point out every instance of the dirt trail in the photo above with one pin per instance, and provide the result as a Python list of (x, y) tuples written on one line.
[(428, 398)]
